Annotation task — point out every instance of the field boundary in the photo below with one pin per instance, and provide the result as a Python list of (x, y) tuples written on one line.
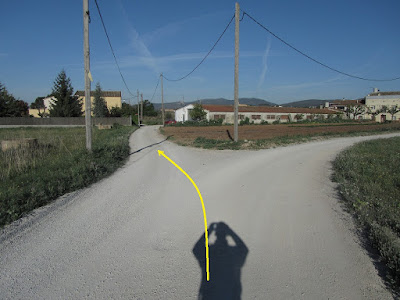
[(77, 121)]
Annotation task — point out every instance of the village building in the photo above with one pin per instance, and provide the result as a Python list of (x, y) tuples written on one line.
[(112, 98), (377, 100), (256, 114)]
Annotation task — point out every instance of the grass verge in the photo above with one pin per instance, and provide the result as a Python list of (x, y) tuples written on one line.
[(369, 182), (58, 164)]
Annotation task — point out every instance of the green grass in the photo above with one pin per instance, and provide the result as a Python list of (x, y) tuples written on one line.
[(369, 181), (30, 178)]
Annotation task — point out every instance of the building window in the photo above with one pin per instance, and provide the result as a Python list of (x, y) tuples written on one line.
[(241, 117), (255, 117), (217, 117), (372, 106), (270, 117)]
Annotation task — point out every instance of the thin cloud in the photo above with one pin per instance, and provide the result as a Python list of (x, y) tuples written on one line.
[(264, 62)]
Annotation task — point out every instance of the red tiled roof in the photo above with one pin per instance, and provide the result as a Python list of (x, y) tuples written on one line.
[(267, 109)]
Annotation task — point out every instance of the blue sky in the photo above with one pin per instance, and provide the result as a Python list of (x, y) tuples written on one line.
[(39, 38)]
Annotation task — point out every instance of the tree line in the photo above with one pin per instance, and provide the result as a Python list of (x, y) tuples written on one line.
[(66, 104)]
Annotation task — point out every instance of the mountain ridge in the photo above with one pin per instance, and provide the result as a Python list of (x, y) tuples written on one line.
[(248, 101)]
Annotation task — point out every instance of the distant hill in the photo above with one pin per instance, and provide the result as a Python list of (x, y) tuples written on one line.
[(306, 103), (216, 101)]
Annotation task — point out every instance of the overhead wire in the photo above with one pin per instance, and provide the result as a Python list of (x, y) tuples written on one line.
[(205, 57), (313, 59), (111, 47), (158, 82)]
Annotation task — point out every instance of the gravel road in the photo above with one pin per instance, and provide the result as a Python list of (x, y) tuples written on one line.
[(276, 230)]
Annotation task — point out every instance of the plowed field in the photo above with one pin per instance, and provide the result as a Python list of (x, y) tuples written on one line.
[(187, 135)]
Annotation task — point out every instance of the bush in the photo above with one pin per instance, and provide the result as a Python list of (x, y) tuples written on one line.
[(246, 121), (277, 121), (198, 123)]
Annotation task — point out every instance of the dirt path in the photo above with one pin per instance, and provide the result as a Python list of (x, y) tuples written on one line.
[(279, 233)]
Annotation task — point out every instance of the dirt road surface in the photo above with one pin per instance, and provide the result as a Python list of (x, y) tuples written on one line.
[(277, 230)]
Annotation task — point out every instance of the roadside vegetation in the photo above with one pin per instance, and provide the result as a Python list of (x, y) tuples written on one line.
[(57, 164), (369, 182)]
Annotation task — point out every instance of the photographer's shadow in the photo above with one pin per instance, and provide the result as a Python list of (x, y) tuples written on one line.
[(227, 256)]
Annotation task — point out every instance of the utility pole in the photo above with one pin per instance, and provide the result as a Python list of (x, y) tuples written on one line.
[(236, 88), (162, 99), (141, 108), (86, 55), (138, 109)]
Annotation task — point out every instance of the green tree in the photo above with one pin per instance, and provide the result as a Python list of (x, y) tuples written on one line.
[(66, 104), (11, 107), (197, 113), (115, 112), (100, 109), (148, 109)]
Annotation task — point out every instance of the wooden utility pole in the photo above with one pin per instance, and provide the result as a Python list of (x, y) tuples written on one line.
[(162, 100), (86, 55), (141, 108), (236, 88), (138, 109)]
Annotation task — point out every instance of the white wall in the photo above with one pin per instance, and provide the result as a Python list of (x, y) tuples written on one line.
[(182, 114)]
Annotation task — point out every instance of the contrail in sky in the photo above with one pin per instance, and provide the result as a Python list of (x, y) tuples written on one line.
[(264, 63)]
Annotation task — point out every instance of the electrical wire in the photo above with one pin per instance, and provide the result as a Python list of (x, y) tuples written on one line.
[(158, 82), (111, 47), (205, 57), (314, 60)]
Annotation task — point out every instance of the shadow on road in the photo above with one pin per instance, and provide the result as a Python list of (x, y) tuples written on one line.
[(149, 146), (226, 261)]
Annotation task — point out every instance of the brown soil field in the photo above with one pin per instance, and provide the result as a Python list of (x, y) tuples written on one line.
[(187, 135)]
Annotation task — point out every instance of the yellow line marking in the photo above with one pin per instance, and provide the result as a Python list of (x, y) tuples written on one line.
[(202, 205)]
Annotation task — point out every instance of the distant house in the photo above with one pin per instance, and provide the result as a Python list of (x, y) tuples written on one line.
[(377, 99), (112, 98), (256, 114)]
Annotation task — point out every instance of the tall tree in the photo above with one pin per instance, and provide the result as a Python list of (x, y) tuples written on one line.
[(100, 109), (66, 104), (148, 109), (11, 107)]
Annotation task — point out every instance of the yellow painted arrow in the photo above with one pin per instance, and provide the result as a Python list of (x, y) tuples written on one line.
[(202, 205)]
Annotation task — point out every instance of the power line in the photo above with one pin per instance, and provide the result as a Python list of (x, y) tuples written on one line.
[(111, 47), (209, 52), (158, 82), (309, 57)]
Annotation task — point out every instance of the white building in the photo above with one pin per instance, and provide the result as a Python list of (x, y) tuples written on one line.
[(376, 100), (256, 114), (183, 114)]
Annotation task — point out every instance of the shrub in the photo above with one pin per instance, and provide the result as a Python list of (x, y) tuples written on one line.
[(246, 121)]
